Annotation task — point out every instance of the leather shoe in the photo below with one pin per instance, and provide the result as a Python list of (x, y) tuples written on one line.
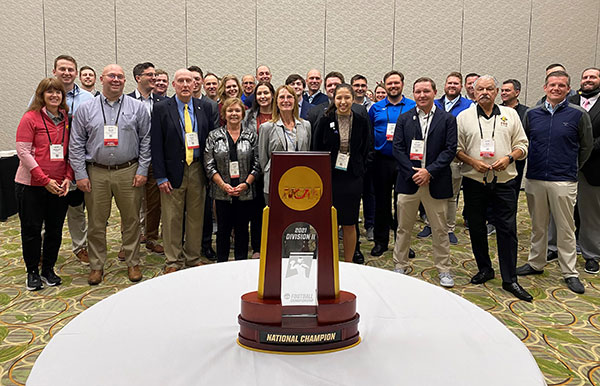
[(378, 250), (575, 285), (527, 269), (134, 273), (169, 270), (552, 255), (358, 257), (591, 266), (155, 247), (482, 276), (411, 253), (121, 255), (83, 256), (210, 253), (518, 291), (95, 277)]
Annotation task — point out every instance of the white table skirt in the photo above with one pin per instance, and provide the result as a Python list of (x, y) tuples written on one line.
[(181, 329)]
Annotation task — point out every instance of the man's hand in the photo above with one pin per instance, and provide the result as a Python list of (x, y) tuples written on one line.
[(421, 177), (501, 164), (480, 166), (139, 181), (84, 185), (165, 187)]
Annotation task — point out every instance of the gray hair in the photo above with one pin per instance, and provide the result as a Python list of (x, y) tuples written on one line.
[(487, 77)]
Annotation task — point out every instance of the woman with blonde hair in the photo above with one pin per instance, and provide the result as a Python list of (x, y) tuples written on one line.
[(230, 87)]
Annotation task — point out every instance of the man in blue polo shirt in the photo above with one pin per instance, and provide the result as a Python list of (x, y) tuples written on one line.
[(384, 115)]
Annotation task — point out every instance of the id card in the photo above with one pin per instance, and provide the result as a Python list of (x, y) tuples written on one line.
[(57, 153), (234, 169), (417, 147), (389, 133), (191, 140), (341, 162), (487, 148), (111, 135)]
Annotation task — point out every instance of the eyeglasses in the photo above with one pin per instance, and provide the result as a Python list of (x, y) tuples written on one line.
[(115, 76)]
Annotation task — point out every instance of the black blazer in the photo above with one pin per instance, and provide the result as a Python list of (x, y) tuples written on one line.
[(591, 168), (168, 144), (155, 97), (327, 138), (440, 151)]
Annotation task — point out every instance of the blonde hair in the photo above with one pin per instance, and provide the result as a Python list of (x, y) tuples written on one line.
[(230, 102), (276, 112), (221, 90)]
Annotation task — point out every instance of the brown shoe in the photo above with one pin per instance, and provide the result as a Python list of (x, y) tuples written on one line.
[(155, 247), (121, 255), (83, 257), (143, 239), (134, 273), (95, 277), (169, 270)]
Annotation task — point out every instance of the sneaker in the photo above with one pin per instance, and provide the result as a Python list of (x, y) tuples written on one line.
[(491, 229), (426, 232), (51, 279), (399, 270), (446, 280), (591, 266), (370, 234), (34, 282), (452, 237)]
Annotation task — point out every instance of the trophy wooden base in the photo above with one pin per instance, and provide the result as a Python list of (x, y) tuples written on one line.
[(267, 326)]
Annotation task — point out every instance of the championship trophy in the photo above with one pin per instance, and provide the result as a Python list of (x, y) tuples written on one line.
[(299, 307)]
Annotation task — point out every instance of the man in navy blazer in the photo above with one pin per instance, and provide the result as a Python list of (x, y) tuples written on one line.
[(180, 126), (424, 145)]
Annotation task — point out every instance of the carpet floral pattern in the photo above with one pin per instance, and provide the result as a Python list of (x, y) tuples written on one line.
[(560, 328)]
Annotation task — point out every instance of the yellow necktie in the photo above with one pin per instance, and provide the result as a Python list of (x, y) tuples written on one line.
[(189, 153)]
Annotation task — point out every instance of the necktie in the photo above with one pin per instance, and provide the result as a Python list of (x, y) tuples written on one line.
[(586, 105), (189, 153)]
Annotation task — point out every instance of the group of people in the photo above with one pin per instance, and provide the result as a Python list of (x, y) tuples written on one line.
[(178, 158)]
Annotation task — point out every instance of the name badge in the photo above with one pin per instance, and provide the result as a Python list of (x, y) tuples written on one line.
[(417, 147), (191, 140), (341, 163), (234, 169), (389, 133), (111, 135), (487, 148), (57, 153)]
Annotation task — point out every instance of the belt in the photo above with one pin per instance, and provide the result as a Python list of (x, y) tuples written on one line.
[(114, 167)]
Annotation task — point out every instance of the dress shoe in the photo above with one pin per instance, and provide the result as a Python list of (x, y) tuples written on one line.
[(134, 273), (452, 238), (527, 269), (34, 282), (95, 277), (552, 255), (378, 250), (518, 291), (358, 257), (143, 239), (83, 256), (575, 285), (169, 270), (210, 253), (411, 253), (426, 232), (482, 276), (591, 266), (155, 247), (121, 255)]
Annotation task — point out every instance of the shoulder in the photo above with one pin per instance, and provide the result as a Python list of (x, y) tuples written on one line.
[(217, 133), (576, 107), (84, 95)]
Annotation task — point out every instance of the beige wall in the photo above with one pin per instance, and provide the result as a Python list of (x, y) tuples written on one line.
[(513, 38)]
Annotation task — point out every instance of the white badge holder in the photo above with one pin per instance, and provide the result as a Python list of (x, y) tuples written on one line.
[(417, 148), (57, 153), (341, 162), (389, 133), (111, 135), (487, 148), (191, 140), (234, 169)]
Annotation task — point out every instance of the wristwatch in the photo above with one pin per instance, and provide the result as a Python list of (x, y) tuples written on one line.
[(511, 159)]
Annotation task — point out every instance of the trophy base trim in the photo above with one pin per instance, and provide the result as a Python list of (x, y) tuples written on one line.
[(298, 352)]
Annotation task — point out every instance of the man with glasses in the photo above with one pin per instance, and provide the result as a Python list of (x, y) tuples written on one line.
[(359, 85), (490, 139)]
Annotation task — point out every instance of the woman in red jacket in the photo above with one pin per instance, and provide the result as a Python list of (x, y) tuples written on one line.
[(42, 180)]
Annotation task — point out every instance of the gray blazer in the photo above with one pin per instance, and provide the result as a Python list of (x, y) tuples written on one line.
[(216, 160), (272, 138), (249, 121)]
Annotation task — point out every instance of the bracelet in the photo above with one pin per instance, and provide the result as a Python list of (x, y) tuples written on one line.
[(247, 184)]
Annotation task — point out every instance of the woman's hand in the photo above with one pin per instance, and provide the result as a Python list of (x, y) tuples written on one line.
[(53, 187), (65, 187), (230, 190)]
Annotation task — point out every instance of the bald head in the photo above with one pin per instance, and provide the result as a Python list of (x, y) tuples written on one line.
[(314, 81), (183, 83), (113, 81), (263, 73)]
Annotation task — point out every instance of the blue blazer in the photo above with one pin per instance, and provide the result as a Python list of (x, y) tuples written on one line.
[(440, 151), (168, 144)]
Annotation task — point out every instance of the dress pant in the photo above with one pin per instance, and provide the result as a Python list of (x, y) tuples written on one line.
[(232, 215), (258, 204), (436, 213), (501, 197), (384, 179), (107, 184), (588, 202), (453, 201), (38, 207), (207, 228), (368, 199), (152, 218), (77, 227), (559, 198), (186, 202)]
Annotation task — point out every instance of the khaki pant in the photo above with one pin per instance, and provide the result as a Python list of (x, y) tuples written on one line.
[(453, 201), (77, 227), (107, 184), (408, 205), (559, 198), (185, 203)]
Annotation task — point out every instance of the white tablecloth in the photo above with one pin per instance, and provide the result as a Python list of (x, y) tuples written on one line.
[(181, 329)]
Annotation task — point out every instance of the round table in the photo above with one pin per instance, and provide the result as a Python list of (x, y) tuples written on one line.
[(181, 329)]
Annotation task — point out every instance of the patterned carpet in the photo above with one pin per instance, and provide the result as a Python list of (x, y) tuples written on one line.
[(560, 328)]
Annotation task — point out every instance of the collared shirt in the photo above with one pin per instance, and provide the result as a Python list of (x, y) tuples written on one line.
[(425, 122), (448, 104), (148, 102), (181, 110), (382, 113), (590, 102), (87, 135), (367, 103), (76, 97), (553, 109)]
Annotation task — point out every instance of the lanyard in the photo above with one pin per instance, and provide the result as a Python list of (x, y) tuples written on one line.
[(481, 130), (118, 112), (48, 132), (427, 125), (286, 136), (387, 111)]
